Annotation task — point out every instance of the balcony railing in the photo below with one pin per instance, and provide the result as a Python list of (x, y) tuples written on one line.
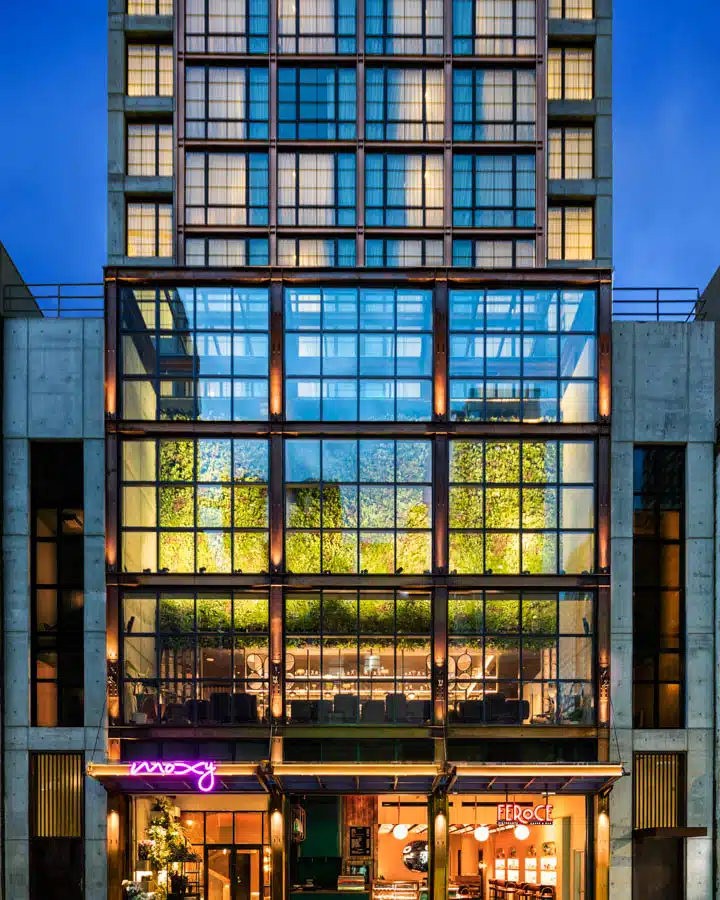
[(656, 304), (54, 301)]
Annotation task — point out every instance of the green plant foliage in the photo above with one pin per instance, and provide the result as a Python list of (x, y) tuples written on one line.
[(177, 460), (167, 841)]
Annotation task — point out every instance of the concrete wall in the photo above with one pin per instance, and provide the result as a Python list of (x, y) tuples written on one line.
[(663, 391), (53, 381)]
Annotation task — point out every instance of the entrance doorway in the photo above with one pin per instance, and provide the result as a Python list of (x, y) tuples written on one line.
[(233, 872)]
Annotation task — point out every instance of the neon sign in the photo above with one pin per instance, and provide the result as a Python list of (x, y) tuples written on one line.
[(205, 771), (515, 814)]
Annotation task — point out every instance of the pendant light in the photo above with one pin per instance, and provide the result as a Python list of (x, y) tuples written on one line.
[(481, 832), (400, 831), (521, 832)]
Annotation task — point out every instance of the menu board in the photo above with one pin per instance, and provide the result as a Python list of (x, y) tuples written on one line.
[(360, 844)]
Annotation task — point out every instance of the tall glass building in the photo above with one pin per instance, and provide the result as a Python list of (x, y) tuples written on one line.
[(358, 441)]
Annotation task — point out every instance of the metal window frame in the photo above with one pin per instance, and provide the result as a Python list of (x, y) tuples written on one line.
[(386, 37), (336, 207)]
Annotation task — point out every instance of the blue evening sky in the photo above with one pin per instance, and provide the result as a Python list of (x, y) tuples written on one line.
[(667, 134)]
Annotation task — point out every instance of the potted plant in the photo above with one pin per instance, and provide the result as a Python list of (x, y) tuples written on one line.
[(167, 847)]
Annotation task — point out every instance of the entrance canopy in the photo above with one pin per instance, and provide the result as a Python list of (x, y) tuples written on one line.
[(205, 776)]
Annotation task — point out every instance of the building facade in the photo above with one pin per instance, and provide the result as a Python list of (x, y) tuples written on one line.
[(358, 440)]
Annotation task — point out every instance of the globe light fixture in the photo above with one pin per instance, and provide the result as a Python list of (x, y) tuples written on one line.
[(400, 832), (522, 832), (481, 833)]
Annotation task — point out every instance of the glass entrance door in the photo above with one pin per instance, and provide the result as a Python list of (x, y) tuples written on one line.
[(233, 873)]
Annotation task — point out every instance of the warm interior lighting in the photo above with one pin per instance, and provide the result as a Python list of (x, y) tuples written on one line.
[(481, 833), (400, 832), (522, 832)]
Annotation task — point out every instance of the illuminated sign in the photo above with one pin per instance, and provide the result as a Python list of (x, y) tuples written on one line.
[(515, 814), (205, 771)]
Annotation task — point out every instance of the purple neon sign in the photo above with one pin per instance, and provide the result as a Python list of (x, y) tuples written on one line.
[(205, 771)]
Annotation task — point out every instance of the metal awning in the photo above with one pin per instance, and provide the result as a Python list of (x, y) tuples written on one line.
[(190, 777), (535, 778)]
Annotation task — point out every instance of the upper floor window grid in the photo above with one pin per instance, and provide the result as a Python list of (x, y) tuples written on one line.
[(219, 252), (570, 233), (493, 105), (149, 230), (226, 26), (316, 104), (149, 150), (317, 252), (316, 189), (404, 190), (226, 189), (316, 26), (570, 74), (150, 7), (494, 191), (571, 9), (226, 103), (497, 253), (570, 153), (404, 105), (494, 27), (404, 27), (149, 70), (398, 253)]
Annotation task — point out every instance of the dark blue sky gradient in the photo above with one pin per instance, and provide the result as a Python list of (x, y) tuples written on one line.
[(667, 140)]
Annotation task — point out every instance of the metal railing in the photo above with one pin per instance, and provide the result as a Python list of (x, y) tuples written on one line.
[(54, 301), (656, 304)]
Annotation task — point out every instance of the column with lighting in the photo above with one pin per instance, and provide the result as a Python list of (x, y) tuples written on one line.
[(438, 817), (279, 815)]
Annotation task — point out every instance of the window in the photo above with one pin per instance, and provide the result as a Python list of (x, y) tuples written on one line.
[(358, 506), (570, 233), (504, 253), (522, 507), (397, 254), (226, 189), (494, 27), (405, 27), (226, 103), (570, 74), (660, 789), (195, 505), (316, 26), (404, 105), (150, 150), (571, 9), (358, 355), (404, 191), (316, 104), (521, 658), (195, 354), (195, 659), (57, 801), (226, 26), (494, 191), (523, 356), (56, 480), (150, 7), (226, 252), (570, 153), (493, 105), (321, 252), (358, 656), (316, 188), (658, 587), (149, 70), (149, 230)]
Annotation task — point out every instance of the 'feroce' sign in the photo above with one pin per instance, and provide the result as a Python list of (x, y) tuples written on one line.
[(514, 814)]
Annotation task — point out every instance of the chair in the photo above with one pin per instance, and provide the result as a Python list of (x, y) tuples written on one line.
[(373, 711), (301, 710), (323, 710), (176, 714), (517, 710), (345, 707), (419, 710), (198, 711), (221, 708), (495, 710), (472, 711), (396, 708), (244, 707)]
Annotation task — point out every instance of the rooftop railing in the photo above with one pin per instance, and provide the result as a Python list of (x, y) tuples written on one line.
[(657, 304), (54, 301)]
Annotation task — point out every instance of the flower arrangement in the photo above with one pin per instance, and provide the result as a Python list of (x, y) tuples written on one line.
[(166, 845), (133, 891)]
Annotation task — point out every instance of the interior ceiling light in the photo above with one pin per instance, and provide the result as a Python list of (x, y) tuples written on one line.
[(522, 832), (481, 833), (400, 832)]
